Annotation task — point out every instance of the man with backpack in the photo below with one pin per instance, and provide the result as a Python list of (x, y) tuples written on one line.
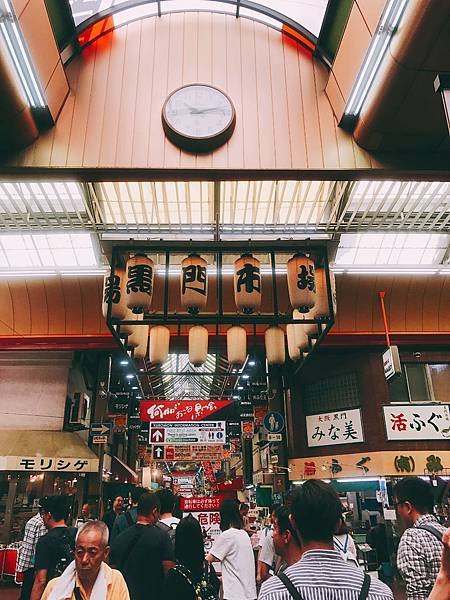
[(128, 518), (321, 572), (54, 550), (167, 522), (420, 549)]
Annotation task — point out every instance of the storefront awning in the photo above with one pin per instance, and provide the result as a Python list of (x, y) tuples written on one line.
[(55, 451)]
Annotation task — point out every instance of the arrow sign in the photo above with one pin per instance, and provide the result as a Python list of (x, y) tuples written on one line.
[(100, 428), (157, 435), (158, 452)]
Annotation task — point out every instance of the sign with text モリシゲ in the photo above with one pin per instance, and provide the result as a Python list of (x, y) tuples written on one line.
[(340, 427), (186, 410), (46, 463), (417, 421), (202, 432)]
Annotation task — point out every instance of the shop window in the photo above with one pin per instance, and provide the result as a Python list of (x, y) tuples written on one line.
[(333, 393), (420, 382)]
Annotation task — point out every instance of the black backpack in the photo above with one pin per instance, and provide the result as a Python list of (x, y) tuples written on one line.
[(65, 552), (169, 530)]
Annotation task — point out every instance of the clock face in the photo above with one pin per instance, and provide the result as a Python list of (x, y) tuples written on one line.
[(198, 117)]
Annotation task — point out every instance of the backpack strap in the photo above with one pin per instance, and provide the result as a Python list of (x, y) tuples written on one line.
[(290, 586), (365, 587), (431, 529)]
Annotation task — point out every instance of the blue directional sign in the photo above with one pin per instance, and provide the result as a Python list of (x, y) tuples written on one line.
[(100, 429), (274, 422)]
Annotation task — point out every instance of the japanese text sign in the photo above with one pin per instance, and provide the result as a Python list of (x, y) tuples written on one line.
[(186, 410), (200, 503), (417, 421), (340, 427), (203, 432), (44, 463)]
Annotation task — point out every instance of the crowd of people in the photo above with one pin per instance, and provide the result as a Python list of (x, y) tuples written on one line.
[(307, 553)]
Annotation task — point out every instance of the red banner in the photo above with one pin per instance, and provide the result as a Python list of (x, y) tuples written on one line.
[(186, 410)]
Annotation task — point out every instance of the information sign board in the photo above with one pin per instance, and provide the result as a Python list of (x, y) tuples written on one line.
[(202, 432)]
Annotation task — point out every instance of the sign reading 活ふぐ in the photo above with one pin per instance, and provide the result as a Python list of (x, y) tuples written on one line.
[(417, 421), (329, 429)]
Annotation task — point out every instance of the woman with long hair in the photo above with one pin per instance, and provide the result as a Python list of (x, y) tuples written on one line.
[(233, 549), (192, 577)]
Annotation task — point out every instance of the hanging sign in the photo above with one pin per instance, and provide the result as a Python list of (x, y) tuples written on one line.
[(417, 421), (188, 452), (329, 429), (200, 503), (204, 432), (186, 410), (45, 463), (274, 422), (248, 429), (120, 403), (391, 362)]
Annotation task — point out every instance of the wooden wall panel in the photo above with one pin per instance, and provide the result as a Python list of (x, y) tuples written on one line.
[(112, 118)]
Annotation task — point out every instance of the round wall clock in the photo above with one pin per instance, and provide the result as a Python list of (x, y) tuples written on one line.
[(198, 117)]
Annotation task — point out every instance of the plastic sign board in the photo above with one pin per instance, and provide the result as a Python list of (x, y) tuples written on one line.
[(391, 362), (330, 429), (185, 410), (49, 463), (188, 452), (274, 422), (100, 429), (417, 421), (202, 432), (99, 439)]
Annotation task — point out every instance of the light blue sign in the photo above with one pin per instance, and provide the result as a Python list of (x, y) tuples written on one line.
[(274, 422)]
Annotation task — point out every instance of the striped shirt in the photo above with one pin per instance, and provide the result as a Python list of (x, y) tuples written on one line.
[(324, 575), (419, 558)]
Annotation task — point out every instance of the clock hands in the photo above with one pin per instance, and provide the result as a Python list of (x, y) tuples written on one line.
[(200, 111)]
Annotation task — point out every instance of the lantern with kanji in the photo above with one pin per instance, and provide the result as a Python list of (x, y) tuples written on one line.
[(236, 345), (159, 341), (247, 284), (126, 329), (274, 343), (140, 351), (322, 308), (139, 288), (114, 293), (293, 350), (198, 345), (301, 282), (194, 283)]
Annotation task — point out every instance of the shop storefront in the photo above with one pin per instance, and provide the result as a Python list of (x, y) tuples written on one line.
[(38, 463)]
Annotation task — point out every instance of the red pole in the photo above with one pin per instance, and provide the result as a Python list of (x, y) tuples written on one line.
[(381, 296)]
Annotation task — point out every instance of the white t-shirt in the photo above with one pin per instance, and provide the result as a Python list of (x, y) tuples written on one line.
[(267, 552), (170, 521), (234, 550)]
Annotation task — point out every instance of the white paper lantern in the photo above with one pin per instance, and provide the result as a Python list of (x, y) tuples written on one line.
[(301, 282), (274, 342), (309, 328), (198, 345), (140, 351), (293, 349), (194, 283), (247, 284), (321, 308), (114, 291), (139, 287), (130, 329), (159, 344), (236, 345)]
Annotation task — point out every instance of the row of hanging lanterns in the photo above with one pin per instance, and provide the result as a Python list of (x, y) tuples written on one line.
[(132, 289)]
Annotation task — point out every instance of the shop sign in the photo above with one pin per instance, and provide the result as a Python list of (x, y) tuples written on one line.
[(246, 410), (186, 410), (134, 423), (41, 463), (120, 423), (248, 430), (329, 429), (204, 432), (417, 421), (100, 439), (391, 362), (120, 403), (188, 452)]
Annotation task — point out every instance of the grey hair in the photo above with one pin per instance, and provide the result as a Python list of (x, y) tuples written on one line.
[(97, 526)]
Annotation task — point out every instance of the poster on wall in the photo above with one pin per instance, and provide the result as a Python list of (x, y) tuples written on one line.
[(417, 421), (329, 429)]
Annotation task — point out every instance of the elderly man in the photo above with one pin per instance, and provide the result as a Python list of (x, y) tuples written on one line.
[(89, 577)]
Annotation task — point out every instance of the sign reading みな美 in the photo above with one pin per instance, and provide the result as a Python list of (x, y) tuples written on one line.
[(329, 429)]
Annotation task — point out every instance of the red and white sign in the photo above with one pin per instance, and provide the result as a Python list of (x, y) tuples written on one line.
[(188, 452), (186, 410), (157, 436), (200, 503)]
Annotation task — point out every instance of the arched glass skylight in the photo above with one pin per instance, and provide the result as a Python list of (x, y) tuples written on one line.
[(307, 14)]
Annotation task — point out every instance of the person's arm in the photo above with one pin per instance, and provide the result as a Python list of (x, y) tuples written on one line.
[(210, 558), (263, 572), (40, 581), (265, 559), (441, 588), (412, 565), (220, 549)]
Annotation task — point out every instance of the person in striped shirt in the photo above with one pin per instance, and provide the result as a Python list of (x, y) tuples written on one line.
[(321, 573)]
